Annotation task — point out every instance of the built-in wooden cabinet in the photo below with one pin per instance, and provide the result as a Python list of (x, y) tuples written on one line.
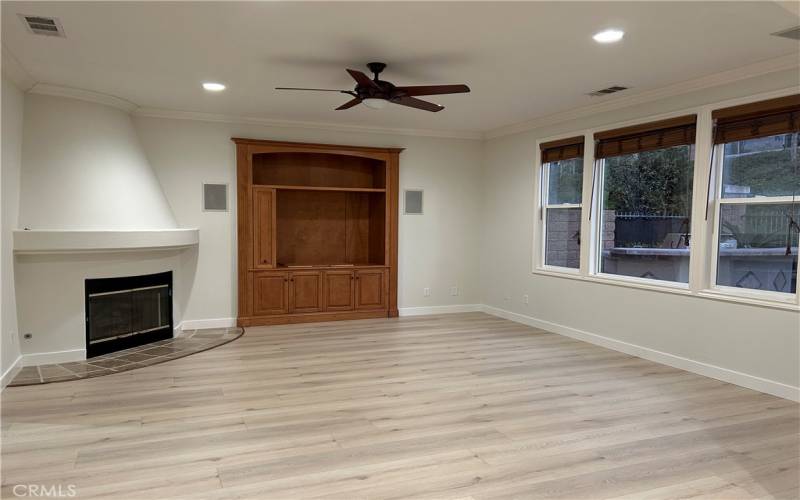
[(339, 290), (270, 293), (317, 232), (263, 220), (371, 289), (305, 292)]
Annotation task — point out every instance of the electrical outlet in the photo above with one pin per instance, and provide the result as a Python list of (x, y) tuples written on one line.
[(426, 292), (28, 336), (525, 299), (453, 290)]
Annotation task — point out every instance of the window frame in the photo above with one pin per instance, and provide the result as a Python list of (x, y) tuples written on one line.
[(702, 283), (597, 232), (714, 221), (544, 206)]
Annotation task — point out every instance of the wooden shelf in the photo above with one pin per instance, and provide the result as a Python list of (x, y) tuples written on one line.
[(318, 188), (329, 266)]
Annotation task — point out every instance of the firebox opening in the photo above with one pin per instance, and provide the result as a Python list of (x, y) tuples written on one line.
[(127, 312)]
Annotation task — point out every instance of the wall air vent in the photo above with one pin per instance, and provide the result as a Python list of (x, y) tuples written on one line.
[(41, 25), (791, 33), (607, 90)]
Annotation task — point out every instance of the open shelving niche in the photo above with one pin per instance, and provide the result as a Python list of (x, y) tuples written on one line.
[(330, 209)]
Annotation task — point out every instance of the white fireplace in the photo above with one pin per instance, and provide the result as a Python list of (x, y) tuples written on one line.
[(91, 207)]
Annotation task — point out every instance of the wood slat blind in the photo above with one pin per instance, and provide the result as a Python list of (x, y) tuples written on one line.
[(562, 149), (678, 131), (757, 119)]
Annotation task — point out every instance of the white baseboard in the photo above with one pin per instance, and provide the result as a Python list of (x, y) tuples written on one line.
[(717, 372), (46, 358), (11, 372), (199, 324), (424, 311)]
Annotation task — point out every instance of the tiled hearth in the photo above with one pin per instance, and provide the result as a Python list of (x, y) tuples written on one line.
[(188, 342)]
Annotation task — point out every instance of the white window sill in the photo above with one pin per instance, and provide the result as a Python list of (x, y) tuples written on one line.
[(755, 299), (560, 270), (675, 288)]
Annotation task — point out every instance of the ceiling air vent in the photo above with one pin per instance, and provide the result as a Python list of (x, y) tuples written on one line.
[(606, 91), (41, 25), (791, 33)]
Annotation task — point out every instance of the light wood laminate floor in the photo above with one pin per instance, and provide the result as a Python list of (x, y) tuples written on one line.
[(449, 407)]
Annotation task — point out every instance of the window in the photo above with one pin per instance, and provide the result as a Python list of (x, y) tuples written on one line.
[(757, 209), (646, 175), (562, 183)]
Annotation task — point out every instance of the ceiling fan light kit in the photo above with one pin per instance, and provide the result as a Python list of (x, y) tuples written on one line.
[(376, 93), (374, 103)]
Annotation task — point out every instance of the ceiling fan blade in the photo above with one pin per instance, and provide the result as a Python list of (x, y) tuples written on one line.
[(418, 103), (314, 90), (433, 89), (362, 79), (349, 104)]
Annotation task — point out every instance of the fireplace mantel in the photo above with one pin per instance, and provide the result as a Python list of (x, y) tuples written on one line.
[(78, 241)]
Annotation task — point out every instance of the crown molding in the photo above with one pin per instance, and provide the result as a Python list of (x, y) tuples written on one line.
[(83, 95), (24, 80), (267, 122), (14, 71), (789, 61)]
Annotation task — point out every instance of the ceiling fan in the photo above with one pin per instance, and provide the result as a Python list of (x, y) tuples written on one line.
[(376, 93)]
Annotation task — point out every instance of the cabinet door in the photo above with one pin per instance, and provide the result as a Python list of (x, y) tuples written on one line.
[(339, 291), (263, 227), (270, 293), (371, 289), (305, 291)]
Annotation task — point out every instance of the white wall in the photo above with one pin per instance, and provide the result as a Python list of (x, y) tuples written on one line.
[(438, 249), (11, 131), (757, 341), (84, 169)]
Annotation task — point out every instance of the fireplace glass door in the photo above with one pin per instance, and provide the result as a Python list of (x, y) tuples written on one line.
[(124, 312)]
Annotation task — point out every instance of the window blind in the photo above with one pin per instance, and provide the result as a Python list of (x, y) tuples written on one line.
[(757, 119), (678, 131), (562, 149)]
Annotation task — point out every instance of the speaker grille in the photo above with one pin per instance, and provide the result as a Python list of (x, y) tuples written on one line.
[(413, 202), (215, 197)]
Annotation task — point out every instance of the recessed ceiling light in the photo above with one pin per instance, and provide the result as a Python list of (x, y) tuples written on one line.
[(608, 36), (213, 87)]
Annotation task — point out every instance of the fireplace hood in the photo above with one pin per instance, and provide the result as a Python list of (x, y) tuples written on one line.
[(86, 184)]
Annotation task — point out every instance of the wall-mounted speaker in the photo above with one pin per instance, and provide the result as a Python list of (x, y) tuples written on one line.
[(412, 204), (215, 197)]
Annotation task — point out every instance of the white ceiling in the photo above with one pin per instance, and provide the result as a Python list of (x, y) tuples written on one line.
[(522, 60)]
